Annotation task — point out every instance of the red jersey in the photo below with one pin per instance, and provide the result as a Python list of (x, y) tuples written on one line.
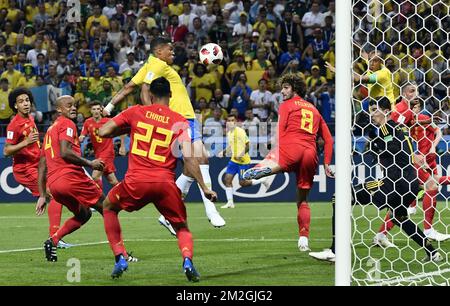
[(103, 147), (424, 135), (62, 129), (153, 130), (300, 123), (18, 129), (402, 113)]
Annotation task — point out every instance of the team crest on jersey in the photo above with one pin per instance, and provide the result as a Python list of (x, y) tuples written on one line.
[(69, 132), (149, 76), (10, 135)]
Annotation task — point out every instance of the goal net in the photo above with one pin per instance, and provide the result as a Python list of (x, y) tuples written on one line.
[(411, 41)]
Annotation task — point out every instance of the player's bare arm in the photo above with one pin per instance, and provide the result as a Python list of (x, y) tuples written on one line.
[(145, 94), (69, 156), (10, 149), (192, 166), (42, 183), (125, 91), (109, 130), (122, 149)]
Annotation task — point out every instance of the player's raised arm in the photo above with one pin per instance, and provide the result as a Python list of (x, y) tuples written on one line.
[(42, 183), (123, 92), (109, 130)]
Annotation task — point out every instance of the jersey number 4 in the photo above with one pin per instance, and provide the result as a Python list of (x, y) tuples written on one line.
[(48, 145), (154, 143), (306, 123)]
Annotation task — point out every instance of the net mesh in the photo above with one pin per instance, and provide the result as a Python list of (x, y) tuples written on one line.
[(411, 40)]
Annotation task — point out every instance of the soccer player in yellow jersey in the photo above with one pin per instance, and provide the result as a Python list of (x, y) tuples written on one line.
[(158, 65), (238, 144), (378, 78)]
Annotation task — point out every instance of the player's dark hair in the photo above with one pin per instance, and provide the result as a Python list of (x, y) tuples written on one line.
[(158, 41), (17, 92), (160, 88), (296, 82), (94, 103), (382, 103)]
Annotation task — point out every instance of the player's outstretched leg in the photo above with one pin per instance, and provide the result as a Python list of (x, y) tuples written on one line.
[(265, 168), (381, 238), (54, 211)]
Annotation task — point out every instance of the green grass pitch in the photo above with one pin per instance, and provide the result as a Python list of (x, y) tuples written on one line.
[(258, 246)]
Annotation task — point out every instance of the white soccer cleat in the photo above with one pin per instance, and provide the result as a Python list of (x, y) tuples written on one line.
[(434, 235), (382, 241), (215, 219), (167, 225), (437, 257), (412, 210), (303, 244), (229, 204), (325, 255)]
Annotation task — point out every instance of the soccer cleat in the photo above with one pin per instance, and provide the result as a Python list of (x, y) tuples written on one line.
[(215, 219), (119, 267), (382, 241), (436, 257), (131, 258), (50, 250), (326, 255), (412, 210), (303, 244), (167, 225), (189, 269), (229, 204), (434, 235), (256, 173), (420, 194), (64, 245)]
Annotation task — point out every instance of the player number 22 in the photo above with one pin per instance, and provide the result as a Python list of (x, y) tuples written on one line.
[(306, 123), (147, 137)]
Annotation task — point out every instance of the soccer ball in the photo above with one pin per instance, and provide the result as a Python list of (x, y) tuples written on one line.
[(211, 54)]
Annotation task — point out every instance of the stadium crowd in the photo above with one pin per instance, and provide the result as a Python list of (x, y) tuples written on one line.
[(261, 41)]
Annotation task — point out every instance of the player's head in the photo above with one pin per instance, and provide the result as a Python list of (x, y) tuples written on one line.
[(291, 85), (66, 106), (409, 91), (375, 61), (231, 121), (160, 91), (96, 109), (380, 109), (20, 101), (162, 48), (416, 105)]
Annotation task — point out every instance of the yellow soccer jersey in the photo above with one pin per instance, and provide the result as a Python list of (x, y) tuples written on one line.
[(383, 86), (155, 68), (237, 139)]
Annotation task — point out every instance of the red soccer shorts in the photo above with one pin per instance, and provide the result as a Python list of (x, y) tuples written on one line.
[(301, 160), (29, 179), (109, 165), (73, 190), (166, 197)]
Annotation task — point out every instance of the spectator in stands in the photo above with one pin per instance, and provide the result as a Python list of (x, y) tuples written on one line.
[(187, 18), (21, 61), (240, 94), (260, 100), (236, 66), (198, 31), (33, 53), (214, 124), (319, 45), (176, 7), (288, 31), (219, 31), (107, 61), (314, 81), (202, 84), (12, 75), (96, 81), (208, 19), (263, 24), (290, 55), (311, 20), (28, 80), (87, 68), (97, 20), (130, 64), (222, 100), (243, 27), (41, 67), (5, 111), (106, 93), (52, 77), (175, 30)]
